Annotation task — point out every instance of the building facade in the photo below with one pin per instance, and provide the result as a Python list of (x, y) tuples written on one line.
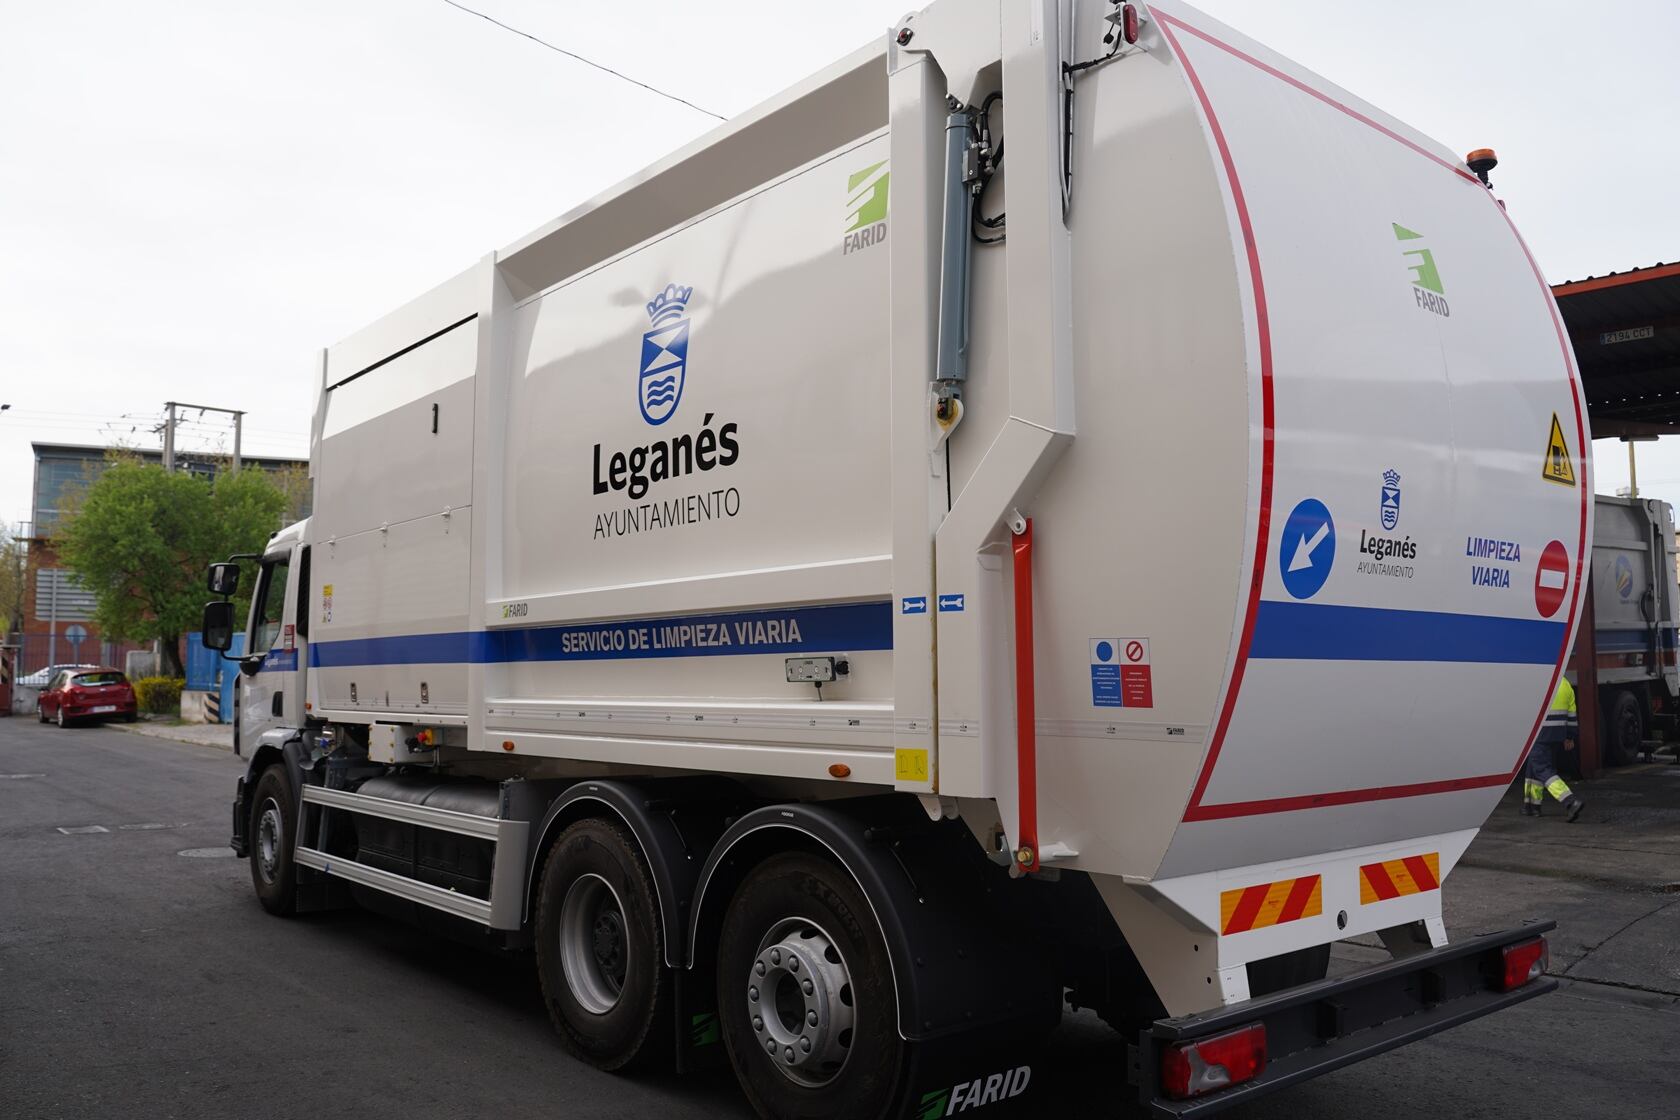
[(57, 626)]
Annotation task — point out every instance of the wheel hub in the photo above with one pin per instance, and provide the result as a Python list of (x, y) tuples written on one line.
[(594, 951), (271, 834), (799, 1001)]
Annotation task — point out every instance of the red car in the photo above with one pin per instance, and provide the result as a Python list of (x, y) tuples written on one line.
[(83, 693)]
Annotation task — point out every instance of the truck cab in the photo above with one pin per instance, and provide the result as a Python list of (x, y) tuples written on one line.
[(271, 694)]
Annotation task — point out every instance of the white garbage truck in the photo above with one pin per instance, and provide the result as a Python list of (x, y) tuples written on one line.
[(983, 530), (1636, 608)]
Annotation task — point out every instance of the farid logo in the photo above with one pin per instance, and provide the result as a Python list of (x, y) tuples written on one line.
[(1624, 578), (1427, 289), (866, 208), (1390, 499), (664, 354)]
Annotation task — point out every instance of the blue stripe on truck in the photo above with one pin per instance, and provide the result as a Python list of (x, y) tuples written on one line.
[(1329, 632), (843, 628)]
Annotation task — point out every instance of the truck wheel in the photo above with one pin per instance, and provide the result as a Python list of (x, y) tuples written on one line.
[(805, 994), (1625, 724), (600, 953), (272, 826)]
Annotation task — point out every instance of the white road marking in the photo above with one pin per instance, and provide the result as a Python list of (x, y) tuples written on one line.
[(83, 830)]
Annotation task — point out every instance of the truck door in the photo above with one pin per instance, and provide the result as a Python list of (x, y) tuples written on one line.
[(273, 695)]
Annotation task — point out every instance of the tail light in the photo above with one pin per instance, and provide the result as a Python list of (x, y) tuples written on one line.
[(1524, 962), (1129, 23), (1189, 1069)]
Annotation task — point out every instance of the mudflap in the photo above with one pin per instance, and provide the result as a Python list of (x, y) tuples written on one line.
[(989, 1071), (698, 1035)]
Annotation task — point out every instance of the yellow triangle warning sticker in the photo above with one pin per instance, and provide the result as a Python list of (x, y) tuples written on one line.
[(1557, 467)]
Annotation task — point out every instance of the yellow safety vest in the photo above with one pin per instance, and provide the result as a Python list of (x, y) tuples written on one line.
[(1562, 711)]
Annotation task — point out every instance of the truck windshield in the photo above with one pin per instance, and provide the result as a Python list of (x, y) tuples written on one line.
[(269, 605)]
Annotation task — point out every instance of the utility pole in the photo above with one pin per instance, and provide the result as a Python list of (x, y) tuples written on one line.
[(169, 438), (169, 431)]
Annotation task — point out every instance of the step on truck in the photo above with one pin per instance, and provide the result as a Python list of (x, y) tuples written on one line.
[(768, 592)]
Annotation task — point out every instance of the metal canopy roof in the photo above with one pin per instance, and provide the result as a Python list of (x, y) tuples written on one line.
[(1625, 328)]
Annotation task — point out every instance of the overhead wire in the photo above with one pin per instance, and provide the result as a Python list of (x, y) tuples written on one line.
[(586, 61)]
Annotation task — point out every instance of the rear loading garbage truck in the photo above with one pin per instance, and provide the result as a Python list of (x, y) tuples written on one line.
[(1636, 609), (772, 593)]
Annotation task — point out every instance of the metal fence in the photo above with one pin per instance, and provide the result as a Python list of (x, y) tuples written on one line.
[(72, 645)]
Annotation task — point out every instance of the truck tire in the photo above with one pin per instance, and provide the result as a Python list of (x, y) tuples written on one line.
[(805, 994), (272, 826), (1624, 724), (600, 954)]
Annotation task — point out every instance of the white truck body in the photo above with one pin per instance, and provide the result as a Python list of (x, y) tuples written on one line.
[(577, 506)]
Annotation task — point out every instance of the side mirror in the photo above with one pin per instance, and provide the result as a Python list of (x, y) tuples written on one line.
[(218, 619), (224, 580)]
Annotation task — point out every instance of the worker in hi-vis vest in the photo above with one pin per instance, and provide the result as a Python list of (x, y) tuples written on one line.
[(1541, 776)]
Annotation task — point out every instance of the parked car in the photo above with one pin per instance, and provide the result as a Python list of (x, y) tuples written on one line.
[(87, 693), (41, 677)]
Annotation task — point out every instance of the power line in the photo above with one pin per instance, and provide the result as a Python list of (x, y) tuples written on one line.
[(585, 61)]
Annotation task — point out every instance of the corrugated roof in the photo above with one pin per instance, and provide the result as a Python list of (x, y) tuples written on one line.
[(1625, 327)]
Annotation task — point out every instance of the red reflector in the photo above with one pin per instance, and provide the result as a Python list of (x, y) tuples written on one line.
[(1525, 961), (1129, 23), (1189, 1069)]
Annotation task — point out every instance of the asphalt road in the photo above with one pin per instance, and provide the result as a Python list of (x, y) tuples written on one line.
[(138, 981)]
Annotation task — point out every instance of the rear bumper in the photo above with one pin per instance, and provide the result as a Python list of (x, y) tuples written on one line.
[(1320, 1027), (118, 711)]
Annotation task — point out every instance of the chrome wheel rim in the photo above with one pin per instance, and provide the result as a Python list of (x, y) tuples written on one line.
[(271, 835), (594, 946), (800, 1002)]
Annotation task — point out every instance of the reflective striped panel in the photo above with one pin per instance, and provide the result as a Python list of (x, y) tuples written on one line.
[(1270, 904), (1394, 878)]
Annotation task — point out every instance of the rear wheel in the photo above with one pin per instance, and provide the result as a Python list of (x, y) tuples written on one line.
[(600, 953), (1624, 724), (805, 994), (272, 827), (63, 720)]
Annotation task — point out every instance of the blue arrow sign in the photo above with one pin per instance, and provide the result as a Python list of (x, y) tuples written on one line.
[(1307, 548), (913, 604), (949, 603)]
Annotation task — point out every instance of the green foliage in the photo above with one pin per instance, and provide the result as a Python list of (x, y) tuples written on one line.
[(12, 584), (159, 695), (141, 537)]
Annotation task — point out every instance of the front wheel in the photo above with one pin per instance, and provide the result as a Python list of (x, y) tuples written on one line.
[(600, 955), (805, 994), (40, 712), (272, 826)]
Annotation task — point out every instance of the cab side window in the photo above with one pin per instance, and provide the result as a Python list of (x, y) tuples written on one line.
[(268, 607)]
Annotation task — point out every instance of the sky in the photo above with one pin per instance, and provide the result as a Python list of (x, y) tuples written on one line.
[(196, 196)]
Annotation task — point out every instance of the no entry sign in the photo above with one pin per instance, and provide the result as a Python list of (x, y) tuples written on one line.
[(1552, 579)]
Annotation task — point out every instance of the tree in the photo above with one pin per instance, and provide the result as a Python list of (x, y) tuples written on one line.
[(13, 582), (141, 537)]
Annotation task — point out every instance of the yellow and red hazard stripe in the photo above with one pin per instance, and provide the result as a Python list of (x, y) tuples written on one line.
[(1270, 904), (1395, 878)]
